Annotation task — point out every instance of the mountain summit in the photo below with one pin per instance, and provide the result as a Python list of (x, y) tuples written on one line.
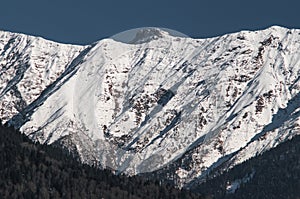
[(157, 99), (144, 35)]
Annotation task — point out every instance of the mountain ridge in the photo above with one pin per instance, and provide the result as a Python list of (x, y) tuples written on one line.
[(139, 107)]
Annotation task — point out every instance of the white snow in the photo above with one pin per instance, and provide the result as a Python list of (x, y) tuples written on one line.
[(138, 104)]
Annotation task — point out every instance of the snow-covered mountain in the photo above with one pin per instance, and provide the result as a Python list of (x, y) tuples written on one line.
[(156, 99)]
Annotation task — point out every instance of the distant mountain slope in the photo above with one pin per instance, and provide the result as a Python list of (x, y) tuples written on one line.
[(30, 170), (159, 101)]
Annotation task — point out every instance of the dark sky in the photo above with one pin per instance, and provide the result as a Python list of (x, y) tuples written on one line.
[(85, 21)]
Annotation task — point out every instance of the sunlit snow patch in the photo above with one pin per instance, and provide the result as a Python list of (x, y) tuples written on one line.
[(145, 34)]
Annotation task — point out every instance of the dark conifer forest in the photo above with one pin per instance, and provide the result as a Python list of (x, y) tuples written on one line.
[(31, 170), (274, 174)]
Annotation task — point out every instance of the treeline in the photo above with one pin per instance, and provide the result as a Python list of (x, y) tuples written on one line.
[(274, 174), (31, 170)]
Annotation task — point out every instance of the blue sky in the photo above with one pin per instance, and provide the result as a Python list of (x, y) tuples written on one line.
[(86, 21)]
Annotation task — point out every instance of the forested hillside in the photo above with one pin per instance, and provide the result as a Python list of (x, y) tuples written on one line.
[(29, 170), (275, 174)]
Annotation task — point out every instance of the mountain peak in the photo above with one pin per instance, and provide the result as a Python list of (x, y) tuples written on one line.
[(138, 108), (145, 35)]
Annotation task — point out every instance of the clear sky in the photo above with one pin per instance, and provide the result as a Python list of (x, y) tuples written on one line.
[(86, 21)]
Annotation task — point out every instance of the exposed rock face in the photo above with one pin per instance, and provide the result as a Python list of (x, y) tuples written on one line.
[(139, 106)]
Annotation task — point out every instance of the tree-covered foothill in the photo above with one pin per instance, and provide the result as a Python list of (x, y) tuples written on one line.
[(31, 170)]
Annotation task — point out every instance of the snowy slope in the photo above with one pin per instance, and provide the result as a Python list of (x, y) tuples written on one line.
[(140, 105), (27, 66)]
